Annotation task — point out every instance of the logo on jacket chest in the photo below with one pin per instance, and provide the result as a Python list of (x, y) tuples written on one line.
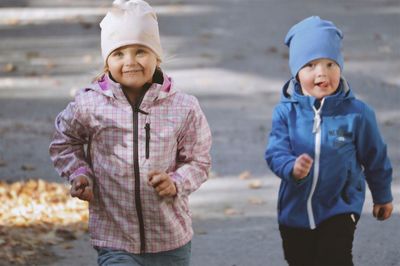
[(341, 137)]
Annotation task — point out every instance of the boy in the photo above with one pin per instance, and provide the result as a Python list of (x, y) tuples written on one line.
[(324, 145)]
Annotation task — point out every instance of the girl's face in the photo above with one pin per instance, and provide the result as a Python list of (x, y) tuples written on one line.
[(319, 78), (132, 66)]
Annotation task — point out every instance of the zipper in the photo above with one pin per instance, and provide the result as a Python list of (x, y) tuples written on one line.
[(138, 203), (317, 153), (137, 180), (147, 128)]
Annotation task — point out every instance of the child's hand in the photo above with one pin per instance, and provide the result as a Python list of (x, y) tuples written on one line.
[(382, 211), (162, 183), (302, 166), (82, 188)]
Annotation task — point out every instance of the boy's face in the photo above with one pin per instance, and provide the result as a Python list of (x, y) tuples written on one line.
[(132, 66), (319, 78)]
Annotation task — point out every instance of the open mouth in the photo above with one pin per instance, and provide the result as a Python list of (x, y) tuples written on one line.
[(322, 84)]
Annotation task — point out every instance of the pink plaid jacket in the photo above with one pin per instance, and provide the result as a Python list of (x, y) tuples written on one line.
[(102, 136)]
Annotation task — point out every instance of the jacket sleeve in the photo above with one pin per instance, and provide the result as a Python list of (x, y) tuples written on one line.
[(193, 156), (372, 153), (278, 154), (67, 150)]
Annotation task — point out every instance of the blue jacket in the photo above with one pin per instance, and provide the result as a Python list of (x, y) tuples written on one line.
[(342, 137)]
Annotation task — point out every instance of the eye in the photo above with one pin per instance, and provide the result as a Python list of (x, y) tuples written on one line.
[(310, 65), (141, 52), (330, 64), (117, 54)]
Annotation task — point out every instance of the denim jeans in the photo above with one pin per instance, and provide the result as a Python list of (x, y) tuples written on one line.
[(176, 257)]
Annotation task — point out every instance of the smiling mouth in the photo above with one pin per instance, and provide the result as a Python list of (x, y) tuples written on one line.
[(132, 71)]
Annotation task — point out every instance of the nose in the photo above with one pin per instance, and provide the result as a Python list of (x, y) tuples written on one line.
[(130, 59), (321, 70)]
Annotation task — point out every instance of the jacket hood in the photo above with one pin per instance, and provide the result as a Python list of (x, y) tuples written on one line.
[(290, 93)]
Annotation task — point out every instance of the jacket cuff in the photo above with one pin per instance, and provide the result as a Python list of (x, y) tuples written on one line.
[(301, 181), (80, 171), (178, 180), (382, 196), (287, 171)]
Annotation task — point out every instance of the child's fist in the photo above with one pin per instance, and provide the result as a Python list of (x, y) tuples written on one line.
[(382, 211), (302, 166), (82, 188), (162, 183)]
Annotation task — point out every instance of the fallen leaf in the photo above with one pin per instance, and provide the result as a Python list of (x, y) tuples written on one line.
[(50, 65), (35, 214), (206, 36), (200, 232), (387, 123), (285, 55), (206, 55), (32, 73), (231, 212), (256, 200), (12, 21), (255, 184), (245, 175), (32, 54), (87, 59), (28, 167), (50, 238), (68, 246), (83, 23), (3, 163), (65, 234), (272, 50), (8, 68)]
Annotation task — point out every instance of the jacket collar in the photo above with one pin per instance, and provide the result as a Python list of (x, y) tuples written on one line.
[(290, 93), (157, 92), (110, 88)]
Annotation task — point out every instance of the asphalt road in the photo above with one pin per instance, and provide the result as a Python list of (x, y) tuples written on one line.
[(230, 54)]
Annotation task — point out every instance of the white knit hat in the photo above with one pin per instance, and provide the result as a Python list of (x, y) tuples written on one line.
[(130, 22)]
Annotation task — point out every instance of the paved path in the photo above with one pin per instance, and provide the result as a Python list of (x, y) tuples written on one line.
[(229, 54)]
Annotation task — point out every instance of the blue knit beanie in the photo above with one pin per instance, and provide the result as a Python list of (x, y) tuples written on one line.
[(313, 38)]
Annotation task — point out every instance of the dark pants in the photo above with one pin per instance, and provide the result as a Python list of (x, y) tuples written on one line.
[(330, 243)]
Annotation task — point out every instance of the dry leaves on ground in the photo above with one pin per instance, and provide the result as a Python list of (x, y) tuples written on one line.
[(255, 184), (231, 212), (8, 68), (245, 175), (35, 214), (256, 200)]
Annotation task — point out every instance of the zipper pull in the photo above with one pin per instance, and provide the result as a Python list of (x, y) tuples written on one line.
[(317, 122), (138, 110), (317, 117)]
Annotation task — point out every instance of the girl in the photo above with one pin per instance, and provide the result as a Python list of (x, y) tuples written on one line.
[(134, 147)]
